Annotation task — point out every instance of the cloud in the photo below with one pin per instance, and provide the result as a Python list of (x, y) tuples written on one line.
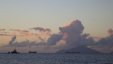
[(19, 30), (5, 35), (47, 29), (73, 31), (54, 39), (13, 40), (41, 29), (107, 40), (38, 28), (110, 32), (2, 29), (12, 32), (75, 27), (3, 32), (42, 33), (69, 37), (105, 44)]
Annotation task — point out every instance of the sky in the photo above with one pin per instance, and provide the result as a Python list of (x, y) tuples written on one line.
[(95, 15)]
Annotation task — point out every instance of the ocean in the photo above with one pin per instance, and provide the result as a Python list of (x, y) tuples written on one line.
[(66, 58)]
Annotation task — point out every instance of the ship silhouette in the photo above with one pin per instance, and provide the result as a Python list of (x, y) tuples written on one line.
[(32, 52), (14, 52)]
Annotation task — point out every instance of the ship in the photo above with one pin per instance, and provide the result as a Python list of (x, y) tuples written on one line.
[(14, 52)]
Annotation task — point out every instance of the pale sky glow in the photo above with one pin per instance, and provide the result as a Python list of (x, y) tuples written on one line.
[(96, 15)]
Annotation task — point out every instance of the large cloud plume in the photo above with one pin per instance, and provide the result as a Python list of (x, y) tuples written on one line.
[(73, 33), (71, 36)]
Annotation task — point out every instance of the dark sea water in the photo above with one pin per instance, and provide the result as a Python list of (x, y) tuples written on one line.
[(56, 59)]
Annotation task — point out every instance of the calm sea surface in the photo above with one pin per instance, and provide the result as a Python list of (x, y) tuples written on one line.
[(56, 59)]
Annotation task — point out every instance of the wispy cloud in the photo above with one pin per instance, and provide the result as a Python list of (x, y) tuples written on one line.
[(5, 35), (2, 29), (41, 29)]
